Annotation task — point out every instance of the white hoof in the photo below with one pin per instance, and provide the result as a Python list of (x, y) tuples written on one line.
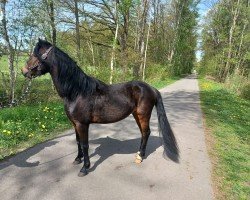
[(138, 158)]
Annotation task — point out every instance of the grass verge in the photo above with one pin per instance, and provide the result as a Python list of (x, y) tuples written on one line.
[(24, 126), (227, 120)]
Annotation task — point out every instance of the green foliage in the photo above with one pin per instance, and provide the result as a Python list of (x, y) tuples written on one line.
[(4, 63), (227, 117), (239, 85), (186, 38), (41, 90), (162, 78), (245, 91), (225, 39)]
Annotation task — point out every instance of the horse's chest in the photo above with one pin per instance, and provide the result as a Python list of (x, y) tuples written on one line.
[(77, 109), (71, 108)]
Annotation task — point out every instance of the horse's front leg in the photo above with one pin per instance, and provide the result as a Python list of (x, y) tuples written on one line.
[(82, 130), (79, 156)]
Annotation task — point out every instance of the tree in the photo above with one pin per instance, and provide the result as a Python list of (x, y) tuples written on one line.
[(10, 49), (185, 37), (142, 15), (226, 41), (114, 44), (50, 7)]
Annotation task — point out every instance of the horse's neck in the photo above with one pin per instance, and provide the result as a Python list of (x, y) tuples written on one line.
[(54, 76), (59, 86)]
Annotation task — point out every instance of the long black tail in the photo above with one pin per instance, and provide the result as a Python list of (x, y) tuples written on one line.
[(169, 141)]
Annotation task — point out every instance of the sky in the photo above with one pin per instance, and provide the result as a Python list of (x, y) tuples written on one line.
[(203, 8)]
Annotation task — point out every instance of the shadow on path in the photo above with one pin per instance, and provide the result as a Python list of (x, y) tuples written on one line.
[(110, 146), (20, 160), (107, 147)]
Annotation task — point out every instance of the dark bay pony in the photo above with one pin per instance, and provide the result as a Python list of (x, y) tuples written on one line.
[(88, 100)]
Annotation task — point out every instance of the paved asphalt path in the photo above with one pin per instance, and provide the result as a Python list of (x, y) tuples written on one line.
[(46, 171)]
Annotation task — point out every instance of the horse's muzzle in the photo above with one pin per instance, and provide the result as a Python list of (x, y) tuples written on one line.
[(25, 73)]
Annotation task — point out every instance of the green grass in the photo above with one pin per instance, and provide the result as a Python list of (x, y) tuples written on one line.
[(227, 116), (4, 63), (163, 82), (26, 125)]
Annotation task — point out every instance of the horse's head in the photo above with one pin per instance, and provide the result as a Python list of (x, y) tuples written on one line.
[(38, 63)]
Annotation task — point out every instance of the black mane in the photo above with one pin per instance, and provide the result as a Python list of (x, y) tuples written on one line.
[(73, 81)]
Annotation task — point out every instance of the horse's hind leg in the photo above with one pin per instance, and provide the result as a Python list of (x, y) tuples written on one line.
[(79, 156), (143, 124)]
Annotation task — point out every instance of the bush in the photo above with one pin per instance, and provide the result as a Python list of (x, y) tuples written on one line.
[(245, 91), (239, 84)]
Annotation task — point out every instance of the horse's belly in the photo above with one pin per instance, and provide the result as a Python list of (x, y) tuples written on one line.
[(111, 113)]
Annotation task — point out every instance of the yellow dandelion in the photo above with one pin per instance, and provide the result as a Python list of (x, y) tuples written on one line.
[(43, 126)]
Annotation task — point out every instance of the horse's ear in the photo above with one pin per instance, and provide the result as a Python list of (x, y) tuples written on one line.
[(40, 41)]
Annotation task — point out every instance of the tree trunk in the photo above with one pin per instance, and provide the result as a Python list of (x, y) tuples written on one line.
[(178, 16), (239, 53), (145, 55), (142, 18), (52, 21), (11, 53), (92, 50), (123, 41), (230, 44), (114, 46), (142, 35), (78, 44)]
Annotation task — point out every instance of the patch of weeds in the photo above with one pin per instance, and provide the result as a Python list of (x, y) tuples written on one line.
[(29, 124)]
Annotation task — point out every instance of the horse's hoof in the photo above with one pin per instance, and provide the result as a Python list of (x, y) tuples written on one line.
[(138, 158), (83, 172), (138, 161), (77, 161)]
